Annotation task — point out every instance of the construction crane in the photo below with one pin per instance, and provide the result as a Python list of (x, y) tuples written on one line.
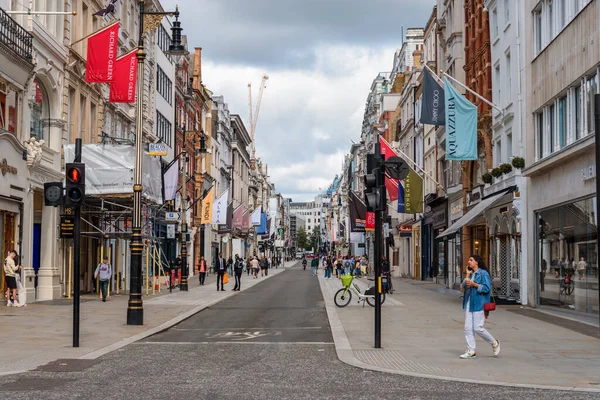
[(254, 114)]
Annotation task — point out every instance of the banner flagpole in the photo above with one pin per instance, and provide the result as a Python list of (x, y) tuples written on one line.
[(480, 97), (93, 33)]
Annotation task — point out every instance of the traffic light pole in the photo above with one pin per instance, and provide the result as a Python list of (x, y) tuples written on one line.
[(76, 257)]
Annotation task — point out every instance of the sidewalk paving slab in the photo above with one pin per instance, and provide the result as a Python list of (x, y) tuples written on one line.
[(41, 332), (422, 335)]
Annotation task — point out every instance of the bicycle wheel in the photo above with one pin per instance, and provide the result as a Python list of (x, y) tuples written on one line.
[(569, 288), (342, 297), (390, 287), (371, 300)]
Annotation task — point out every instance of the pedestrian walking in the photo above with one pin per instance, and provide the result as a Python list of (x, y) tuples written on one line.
[(202, 270), (263, 265), (314, 264), (248, 265), (10, 272), (238, 269), (255, 267), (104, 273), (230, 266), (220, 269), (478, 286)]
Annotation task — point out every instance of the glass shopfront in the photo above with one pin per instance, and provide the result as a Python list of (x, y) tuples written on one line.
[(567, 267)]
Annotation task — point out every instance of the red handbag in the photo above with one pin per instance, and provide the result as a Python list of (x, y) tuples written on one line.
[(491, 306)]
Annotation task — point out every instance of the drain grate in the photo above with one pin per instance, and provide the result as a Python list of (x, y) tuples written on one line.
[(67, 365), (30, 384)]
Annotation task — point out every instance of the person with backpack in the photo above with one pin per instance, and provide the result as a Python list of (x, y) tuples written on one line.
[(347, 265), (238, 269), (104, 273)]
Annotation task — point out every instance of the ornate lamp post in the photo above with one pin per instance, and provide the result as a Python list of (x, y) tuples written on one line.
[(135, 309)]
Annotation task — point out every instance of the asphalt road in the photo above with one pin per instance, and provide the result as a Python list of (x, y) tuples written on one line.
[(270, 342)]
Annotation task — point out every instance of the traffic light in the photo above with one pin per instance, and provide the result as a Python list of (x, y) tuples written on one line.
[(75, 190), (53, 194), (375, 195)]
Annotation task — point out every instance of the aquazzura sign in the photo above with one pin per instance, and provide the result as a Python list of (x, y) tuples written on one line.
[(461, 126)]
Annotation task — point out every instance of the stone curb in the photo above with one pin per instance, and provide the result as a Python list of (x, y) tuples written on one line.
[(345, 354)]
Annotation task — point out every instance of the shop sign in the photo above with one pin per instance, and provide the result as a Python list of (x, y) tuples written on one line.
[(405, 230), (67, 226), (170, 231), (588, 173), (456, 210), (474, 196), (157, 149)]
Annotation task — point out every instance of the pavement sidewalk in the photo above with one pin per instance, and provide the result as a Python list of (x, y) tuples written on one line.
[(42, 332), (422, 335)]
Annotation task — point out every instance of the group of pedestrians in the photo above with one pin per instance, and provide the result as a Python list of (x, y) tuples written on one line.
[(339, 265), (235, 268)]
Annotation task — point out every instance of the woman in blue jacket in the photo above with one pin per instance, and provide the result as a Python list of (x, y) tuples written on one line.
[(477, 286)]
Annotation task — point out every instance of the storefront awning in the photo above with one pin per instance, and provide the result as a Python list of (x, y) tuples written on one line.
[(471, 214)]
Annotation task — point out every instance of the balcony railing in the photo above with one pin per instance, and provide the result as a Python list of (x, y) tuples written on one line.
[(15, 37)]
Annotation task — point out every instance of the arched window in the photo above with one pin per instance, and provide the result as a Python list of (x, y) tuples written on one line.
[(40, 112)]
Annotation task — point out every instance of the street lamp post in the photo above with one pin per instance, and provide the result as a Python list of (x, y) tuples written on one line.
[(135, 309), (183, 285)]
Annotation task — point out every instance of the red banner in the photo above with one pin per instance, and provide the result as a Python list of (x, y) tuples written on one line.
[(101, 54), (370, 225), (386, 149), (392, 188), (122, 88), (238, 217), (246, 225)]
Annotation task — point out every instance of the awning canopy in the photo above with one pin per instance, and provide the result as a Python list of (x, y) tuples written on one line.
[(471, 214)]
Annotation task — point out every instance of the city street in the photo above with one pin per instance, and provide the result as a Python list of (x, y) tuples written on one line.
[(270, 341)]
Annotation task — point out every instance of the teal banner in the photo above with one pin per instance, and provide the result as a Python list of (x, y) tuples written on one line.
[(461, 125)]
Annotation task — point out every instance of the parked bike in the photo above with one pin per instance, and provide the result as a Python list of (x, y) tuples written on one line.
[(343, 296)]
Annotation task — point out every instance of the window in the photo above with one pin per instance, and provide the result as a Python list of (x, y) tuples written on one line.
[(577, 108), (551, 130), (550, 20), (163, 40), (507, 11), (562, 13), (508, 79), (498, 85), (8, 110), (164, 85), (163, 128), (562, 122), (537, 28), (498, 155), (539, 119), (509, 150), (39, 112), (591, 88), (494, 23)]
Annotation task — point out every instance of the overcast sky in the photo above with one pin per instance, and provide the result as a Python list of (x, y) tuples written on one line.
[(321, 57)]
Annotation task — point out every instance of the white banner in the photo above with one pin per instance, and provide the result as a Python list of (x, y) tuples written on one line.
[(109, 170), (220, 209), (171, 179), (256, 216)]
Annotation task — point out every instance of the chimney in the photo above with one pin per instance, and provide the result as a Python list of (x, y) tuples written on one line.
[(197, 75)]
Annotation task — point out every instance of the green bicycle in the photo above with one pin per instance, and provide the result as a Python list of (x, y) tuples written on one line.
[(343, 296)]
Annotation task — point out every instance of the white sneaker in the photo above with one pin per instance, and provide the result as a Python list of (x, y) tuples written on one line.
[(468, 354), (9, 303), (18, 305), (496, 348)]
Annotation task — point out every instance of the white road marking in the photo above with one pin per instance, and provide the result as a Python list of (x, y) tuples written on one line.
[(216, 342)]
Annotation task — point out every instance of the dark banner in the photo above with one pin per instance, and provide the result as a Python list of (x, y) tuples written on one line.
[(227, 227), (358, 213), (432, 101)]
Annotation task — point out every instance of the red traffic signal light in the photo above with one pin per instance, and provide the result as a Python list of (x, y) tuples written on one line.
[(75, 184)]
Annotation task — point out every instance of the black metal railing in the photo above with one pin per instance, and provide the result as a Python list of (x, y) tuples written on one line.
[(15, 37)]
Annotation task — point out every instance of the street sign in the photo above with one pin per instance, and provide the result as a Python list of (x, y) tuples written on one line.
[(361, 245), (157, 149), (170, 231), (172, 216), (280, 231), (67, 226)]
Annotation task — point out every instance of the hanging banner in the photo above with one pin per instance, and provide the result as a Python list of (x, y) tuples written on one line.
[(238, 217), (256, 216), (401, 198), (386, 149), (220, 209), (226, 227), (432, 101), (413, 192), (461, 126), (246, 225), (370, 223), (101, 54), (262, 228), (122, 87), (358, 213), (392, 188), (170, 181), (207, 205)]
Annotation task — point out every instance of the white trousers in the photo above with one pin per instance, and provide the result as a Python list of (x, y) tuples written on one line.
[(474, 324)]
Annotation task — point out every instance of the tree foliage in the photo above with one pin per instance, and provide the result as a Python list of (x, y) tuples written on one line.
[(301, 238)]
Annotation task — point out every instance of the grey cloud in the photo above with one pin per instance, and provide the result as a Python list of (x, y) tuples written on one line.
[(282, 33)]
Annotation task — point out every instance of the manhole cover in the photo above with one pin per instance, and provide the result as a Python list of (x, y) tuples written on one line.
[(29, 384), (67, 365)]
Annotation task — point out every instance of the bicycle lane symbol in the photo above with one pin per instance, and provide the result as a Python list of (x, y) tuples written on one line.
[(240, 336)]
